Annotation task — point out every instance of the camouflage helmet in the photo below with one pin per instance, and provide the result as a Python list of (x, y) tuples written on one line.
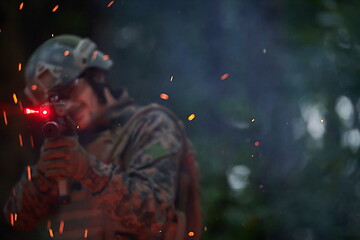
[(58, 62)]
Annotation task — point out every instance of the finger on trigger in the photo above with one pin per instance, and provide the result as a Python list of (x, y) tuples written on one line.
[(56, 174), (68, 141), (56, 164), (49, 154)]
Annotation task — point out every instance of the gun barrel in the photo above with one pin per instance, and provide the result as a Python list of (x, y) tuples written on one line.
[(51, 129)]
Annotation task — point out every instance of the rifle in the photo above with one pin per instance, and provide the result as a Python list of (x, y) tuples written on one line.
[(57, 124)]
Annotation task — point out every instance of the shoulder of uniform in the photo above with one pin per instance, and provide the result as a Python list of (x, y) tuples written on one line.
[(158, 114)]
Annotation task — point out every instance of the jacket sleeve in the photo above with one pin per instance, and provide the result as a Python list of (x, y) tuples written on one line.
[(141, 198), (29, 201)]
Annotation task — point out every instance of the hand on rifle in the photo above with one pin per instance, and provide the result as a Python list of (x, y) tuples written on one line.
[(63, 157)]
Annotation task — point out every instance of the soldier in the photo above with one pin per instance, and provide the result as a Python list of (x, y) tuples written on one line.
[(130, 169)]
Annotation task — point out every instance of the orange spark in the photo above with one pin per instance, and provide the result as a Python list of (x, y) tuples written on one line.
[(12, 219), (32, 141), (55, 8), (191, 117), (191, 234), (29, 173), (21, 106), (66, 53), (15, 98), (19, 67), (164, 96), (51, 233), (61, 227), (110, 3), (21, 6), (256, 144), (5, 118), (34, 87), (225, 76), (86, 233), (94, 54), (48, 224), (15, 217), (20, 140), (106, 57)]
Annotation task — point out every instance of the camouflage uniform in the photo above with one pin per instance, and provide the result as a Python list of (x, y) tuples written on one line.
[(127, 197)]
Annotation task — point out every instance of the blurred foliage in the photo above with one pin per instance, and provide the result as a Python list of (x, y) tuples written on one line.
[(289, 62)]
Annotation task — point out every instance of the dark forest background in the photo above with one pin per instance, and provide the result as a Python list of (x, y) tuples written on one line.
[(274, 86)]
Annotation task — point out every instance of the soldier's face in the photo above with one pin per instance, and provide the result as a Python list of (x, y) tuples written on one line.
[(83, 105)]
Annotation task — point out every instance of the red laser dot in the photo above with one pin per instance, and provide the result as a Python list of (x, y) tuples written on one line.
[(44, 112), (256, 144)]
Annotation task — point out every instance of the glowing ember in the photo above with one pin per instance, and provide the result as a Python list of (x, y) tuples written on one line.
[(61, 227), (12, 219), (19, 67), (66, 53), (21, 106), (225, 76), (164, 96), (191, 234), (21, 6), (191, 117), (29, 173), (20, 140), (106, 57), (51, 233), (15, 98), (48, 225), (32, 142), (55, 8), (85, 233), (5, 118), (34, 87), (94, 54), (110, 3), (172, 77), (15, 216), (256, 144)]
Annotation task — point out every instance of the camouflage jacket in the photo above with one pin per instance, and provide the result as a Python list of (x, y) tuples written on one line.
[(127, 197)]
